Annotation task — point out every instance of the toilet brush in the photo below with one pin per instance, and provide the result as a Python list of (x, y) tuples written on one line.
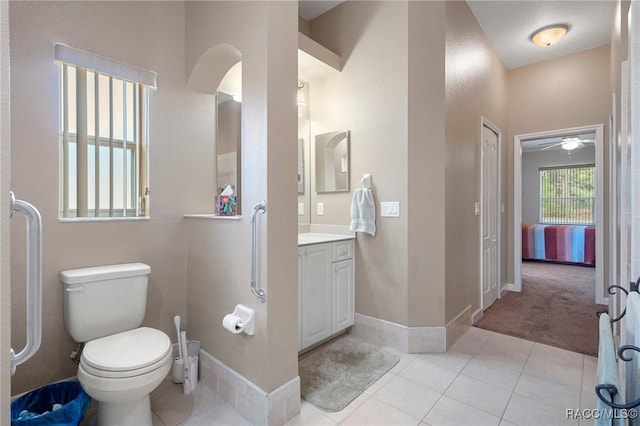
[(176, 321), (177, 369)]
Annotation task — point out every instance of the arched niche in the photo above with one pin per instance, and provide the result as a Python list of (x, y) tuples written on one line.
[(219, 72)]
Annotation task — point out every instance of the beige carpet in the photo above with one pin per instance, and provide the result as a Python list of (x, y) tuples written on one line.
[(556, 307), (335, 374)]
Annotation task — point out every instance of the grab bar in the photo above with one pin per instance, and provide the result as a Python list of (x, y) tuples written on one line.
[(34, 281), (261, 207)]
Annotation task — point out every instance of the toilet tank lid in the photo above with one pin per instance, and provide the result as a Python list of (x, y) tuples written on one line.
[(108, 272)]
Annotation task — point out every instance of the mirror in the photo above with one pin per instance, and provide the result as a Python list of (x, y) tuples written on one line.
[(228, 136), (300, 166), (332, 162), (304, 150)]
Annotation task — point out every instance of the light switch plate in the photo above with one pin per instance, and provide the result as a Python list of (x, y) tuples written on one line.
[(390, 209), (476, 208), (320, 210), (300, 209)]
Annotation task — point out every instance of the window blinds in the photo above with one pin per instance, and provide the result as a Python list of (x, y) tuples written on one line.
[(91, 61), (103, 132)]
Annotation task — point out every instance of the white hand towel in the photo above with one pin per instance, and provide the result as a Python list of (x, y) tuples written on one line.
[(363, 211)]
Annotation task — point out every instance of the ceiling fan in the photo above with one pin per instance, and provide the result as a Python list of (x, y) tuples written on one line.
[(568, 143)]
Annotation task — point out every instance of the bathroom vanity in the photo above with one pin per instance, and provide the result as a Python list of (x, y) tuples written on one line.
[(326, 286)]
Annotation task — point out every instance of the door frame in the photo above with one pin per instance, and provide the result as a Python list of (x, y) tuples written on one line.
[(5, 176), (598, 129), (484, 122)]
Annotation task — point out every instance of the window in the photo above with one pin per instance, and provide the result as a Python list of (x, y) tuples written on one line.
[(567, 195), (103, 137)]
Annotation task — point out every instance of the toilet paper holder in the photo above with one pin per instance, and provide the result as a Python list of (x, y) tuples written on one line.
[(242, 319)]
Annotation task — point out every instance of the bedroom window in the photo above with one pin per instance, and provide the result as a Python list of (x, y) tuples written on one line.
[(103, 137), (567, 195)]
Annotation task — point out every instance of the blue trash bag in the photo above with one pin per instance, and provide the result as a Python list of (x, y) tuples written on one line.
[(73, 398)]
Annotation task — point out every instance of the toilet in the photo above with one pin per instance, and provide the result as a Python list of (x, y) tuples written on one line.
[(121, 362)]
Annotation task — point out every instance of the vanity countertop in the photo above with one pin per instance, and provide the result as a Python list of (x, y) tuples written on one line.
[(308, 238)]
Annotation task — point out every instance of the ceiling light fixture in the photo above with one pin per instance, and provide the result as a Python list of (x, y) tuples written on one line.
[(571, 143), (548, 36)]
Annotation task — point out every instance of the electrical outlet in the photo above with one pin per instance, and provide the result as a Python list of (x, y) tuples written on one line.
[(300, 209), (320, 210), (390, 209)]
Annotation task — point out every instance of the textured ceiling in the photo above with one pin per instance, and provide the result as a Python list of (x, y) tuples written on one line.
[(509, 25), (311, 9)]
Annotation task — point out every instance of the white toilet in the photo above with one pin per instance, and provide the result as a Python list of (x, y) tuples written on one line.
[(121, 362)]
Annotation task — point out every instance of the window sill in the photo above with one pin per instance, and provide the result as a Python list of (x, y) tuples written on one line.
[(102, 219), (211, 216)]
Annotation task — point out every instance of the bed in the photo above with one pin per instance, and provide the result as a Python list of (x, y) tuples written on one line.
[(559, 243)]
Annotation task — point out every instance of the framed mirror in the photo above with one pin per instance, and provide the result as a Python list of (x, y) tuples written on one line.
[(332, 162)]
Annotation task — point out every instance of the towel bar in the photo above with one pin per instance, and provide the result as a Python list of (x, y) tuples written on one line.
[(613, 390), (612, 291)]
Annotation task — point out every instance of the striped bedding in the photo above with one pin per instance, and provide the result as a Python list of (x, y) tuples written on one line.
[(559, 243)]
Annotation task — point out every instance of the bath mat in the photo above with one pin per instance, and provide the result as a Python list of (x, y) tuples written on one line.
[(334, 375)]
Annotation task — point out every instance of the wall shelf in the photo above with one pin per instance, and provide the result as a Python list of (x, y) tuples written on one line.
[(211, 216)]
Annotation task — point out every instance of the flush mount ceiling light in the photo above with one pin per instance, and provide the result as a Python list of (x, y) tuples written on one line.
[(548, 36), (571, 143)]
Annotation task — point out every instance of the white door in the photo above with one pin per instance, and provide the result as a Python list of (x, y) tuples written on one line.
[(489, 216)]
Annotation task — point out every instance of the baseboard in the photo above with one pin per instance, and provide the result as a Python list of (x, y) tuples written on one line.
[(251, 402), (458, 326), (510, 287), (401, 337), (477, 316)]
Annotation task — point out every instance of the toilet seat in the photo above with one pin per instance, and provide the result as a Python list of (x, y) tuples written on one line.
[(127, 354)]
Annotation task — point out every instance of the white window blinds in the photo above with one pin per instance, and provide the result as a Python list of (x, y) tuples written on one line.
[(103, 136)]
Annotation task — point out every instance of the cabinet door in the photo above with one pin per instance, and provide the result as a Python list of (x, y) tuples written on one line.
[(343, 295), (316, 293)]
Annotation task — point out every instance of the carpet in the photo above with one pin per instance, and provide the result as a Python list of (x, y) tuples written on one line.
[(334, 375), (556, 307)]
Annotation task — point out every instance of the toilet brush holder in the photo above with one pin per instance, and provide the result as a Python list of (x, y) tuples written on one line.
[(193, 350), (177, 370)]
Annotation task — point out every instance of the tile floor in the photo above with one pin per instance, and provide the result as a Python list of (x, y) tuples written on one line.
[(484, 379)]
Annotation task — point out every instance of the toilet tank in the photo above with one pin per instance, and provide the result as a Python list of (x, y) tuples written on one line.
[(104, 300)]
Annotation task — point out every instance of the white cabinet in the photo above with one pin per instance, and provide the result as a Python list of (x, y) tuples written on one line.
[(325, 290), (342, 306), (315, 323)]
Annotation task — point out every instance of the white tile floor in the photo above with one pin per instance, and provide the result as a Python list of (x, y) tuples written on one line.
[(484, 379)]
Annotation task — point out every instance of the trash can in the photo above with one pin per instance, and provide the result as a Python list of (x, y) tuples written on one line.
[(37, 407)]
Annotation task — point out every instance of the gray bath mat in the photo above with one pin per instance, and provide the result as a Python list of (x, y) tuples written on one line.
[(334, 375)]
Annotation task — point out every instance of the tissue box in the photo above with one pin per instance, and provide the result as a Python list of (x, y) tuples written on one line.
[(226, 205)]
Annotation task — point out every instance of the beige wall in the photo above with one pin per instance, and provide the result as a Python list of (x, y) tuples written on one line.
[(425, 166), (531, 164), (571, 91), (407, 111), (475, 87), (149, 35), (5, 186), (218, 251), (369, 98)]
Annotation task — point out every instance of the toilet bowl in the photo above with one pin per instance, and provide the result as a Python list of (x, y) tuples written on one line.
[(121, 370), (121, 362)]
